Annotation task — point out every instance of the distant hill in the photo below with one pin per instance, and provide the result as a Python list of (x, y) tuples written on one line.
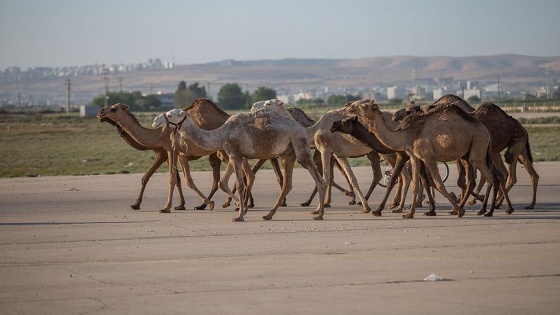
[(292, 75)]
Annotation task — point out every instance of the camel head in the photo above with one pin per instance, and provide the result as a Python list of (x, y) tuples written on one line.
[(345, 125), (404, 112), (275, 105), (173, 119), (112, 113), (364, 107)]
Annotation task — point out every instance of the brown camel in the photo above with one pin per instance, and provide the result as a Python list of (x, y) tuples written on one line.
[(154, 138), (443, 134), (353, 127), (259, 135), (160, 156), (342, 146), (507, 133)]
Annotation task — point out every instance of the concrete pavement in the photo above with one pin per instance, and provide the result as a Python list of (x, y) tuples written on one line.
[(72, 245)]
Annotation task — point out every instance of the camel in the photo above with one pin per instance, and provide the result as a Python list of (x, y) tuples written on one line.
[(507, 133), (160, 156), (342, 146), (397, 159), (444, 134), (261, 135), (156, 138)]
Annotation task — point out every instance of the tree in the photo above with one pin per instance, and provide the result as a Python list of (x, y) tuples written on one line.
[(135, 100), (185, 95), (473, 99), (263, 93), (340, 100), (231, 96)]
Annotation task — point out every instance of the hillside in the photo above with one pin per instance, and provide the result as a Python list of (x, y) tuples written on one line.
[(293, 75)]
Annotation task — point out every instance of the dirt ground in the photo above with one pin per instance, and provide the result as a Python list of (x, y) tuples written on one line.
[(72, 245)]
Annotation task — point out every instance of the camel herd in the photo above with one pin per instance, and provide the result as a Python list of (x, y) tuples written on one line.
[(448, 130)]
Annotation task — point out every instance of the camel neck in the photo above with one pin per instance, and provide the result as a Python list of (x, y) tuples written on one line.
[(391, 139), (211, 140), (144, 136)]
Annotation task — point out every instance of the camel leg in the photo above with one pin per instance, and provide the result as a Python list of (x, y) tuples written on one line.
[(397, 171), (289, 162), (425, 178), (256, 168), (524, 159), (250, 178), (375, 161), (414, 162), (350, 193), (279, 178), (433, 171), (348, 170), (160, 157), (172, 160), (237, 164), (215, 163), (223, 184), (189, 181), (319, 165)]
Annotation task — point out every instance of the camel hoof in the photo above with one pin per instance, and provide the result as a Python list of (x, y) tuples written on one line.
[(283, 204), (352, 202), (396, 211), (359, 203), (164, 211), (376, 213), (137, 207), (408, 216), (305, 204), (201, 207), (210, 204), (315, 212), (225, 205), (488, 214), (366, 210), (237, 219), (318, 218), (267, 217), (453, 212), (461, 213), (392, 205), (510, 211), (481, 212), (327, 205), (350, 194), (251, 205), (526, 207), (430, 214)]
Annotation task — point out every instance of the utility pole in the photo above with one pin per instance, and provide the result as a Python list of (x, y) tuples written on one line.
[(106, 79), (498, 91), (68, 84), (547, 82)]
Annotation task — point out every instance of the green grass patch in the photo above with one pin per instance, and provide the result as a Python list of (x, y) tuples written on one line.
[(65, 144)]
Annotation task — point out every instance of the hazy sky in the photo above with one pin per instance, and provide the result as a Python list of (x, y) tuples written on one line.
[(80, 32)]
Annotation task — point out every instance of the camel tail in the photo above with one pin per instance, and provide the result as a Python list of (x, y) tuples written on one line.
[(529, 155)]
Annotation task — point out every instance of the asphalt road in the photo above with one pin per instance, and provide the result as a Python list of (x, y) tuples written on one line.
[(72, 245)]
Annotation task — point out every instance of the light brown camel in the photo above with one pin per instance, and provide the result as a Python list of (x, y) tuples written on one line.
[(259, 135), (443, 134), (160, 156), (507, 133), (342, 146), (155, 138)]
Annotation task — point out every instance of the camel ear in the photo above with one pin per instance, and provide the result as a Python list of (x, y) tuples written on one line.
[(124, 106), (182, 113)]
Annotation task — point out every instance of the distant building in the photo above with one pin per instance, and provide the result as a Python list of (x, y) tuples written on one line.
[(396, 92)]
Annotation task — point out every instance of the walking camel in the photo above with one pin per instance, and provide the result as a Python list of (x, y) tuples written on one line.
[(160, 156), (155, 138), (507, 133), (443, 134), (342, 146), (397, 159), (259, 135)]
